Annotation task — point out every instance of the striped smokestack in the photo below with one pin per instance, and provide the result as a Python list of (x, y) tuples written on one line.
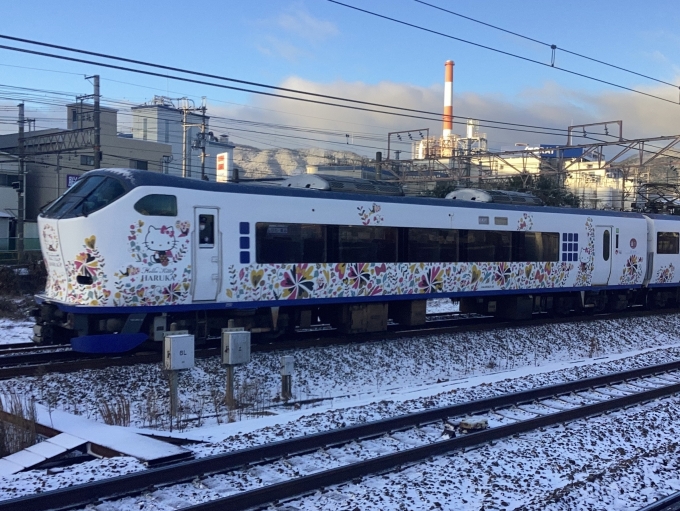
[(448, 98)]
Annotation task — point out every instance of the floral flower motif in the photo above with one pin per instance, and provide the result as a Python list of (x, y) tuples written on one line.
[(525, 222), (86, 264), (431, 280), (358, 275), (632, 271), (298, 282), (370, 216), (256, 277), (50, 238), (665, 274), (173, 292), (503, 275)]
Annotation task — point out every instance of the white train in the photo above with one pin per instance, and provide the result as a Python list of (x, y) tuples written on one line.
[(133, 254)]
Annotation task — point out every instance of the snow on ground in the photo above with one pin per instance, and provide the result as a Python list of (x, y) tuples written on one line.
[(14, 332), (363, 382), (342, 376)]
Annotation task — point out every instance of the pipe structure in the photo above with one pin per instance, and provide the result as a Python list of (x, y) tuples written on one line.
[(448, 99)]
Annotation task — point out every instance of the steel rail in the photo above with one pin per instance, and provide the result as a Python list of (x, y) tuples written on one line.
[(131, 484), (669, 503), (306, 484)]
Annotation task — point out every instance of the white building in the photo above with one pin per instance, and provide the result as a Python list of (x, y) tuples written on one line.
[(166, 122)]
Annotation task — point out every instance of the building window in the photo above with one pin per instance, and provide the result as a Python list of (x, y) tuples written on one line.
[(74, 116), (139, 164), (167, 131), (86, 160)]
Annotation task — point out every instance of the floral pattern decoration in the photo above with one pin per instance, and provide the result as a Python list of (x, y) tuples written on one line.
[(50, 238), (525, 222), (155, 277), (665, 274), (56, 279), (89, 264), (302, 281), (632, 271), (587, 257), (371, 216)]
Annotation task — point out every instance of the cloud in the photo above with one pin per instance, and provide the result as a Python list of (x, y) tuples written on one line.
[(302, 24), (548, 105), (294, 34), (273, 46)]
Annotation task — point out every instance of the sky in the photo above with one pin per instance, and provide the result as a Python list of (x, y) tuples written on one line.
[(322, 47)]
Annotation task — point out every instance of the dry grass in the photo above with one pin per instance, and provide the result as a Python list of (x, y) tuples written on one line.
[(21, 433), (116, 412)]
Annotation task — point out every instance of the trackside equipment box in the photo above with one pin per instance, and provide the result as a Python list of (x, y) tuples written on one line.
[(178, 352), (235, 347), (287, 364)]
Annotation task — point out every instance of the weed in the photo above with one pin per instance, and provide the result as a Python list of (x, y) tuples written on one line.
[(116, 412), (20, 433)]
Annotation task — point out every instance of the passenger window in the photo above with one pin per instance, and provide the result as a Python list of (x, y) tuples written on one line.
[(432, 245), (157, 205), (367, 244), (290, 243), (606, 244), (206, 231), (667, 243)]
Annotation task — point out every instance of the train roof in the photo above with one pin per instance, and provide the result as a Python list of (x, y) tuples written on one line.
[(135, 178)]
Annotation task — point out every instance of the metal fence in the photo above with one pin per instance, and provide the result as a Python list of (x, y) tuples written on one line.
[(8, 249)]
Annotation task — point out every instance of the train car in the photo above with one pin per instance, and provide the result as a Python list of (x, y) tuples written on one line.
[(663, 241), (133, 254)]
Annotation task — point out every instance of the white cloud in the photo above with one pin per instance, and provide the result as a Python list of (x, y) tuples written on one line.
[(293, 34), (549, 105), (302, 24)]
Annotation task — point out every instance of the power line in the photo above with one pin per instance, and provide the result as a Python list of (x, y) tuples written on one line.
[(503, 52), (224, 78), (552, 46)]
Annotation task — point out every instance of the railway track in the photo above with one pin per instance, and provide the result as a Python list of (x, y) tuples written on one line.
[(545, 407), (17, 364), (669, 503)]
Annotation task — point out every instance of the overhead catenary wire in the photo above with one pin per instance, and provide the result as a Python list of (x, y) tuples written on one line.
[(552, 46), (503, 52), (224, 78)]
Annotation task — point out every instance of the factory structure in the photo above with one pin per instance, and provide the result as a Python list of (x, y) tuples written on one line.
[(465, 159)]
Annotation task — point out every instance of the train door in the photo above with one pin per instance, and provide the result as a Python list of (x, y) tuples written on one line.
[(603, 255), (207, 254)]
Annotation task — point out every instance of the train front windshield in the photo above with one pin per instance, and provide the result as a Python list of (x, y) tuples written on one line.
[(86, 196)]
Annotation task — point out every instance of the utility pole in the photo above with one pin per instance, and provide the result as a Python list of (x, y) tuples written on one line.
[(97, 126), (20, 187), (184, 142), (203, 139)]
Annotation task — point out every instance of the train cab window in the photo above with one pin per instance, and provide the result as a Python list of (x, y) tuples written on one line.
[(367, 244), (73, 196), (606, 244), (290, 243), (667, 243), (107, 192), (157, 205), (86, 196), (206, 231)]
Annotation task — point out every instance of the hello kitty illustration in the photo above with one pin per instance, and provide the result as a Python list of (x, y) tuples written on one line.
[(161, 241)]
